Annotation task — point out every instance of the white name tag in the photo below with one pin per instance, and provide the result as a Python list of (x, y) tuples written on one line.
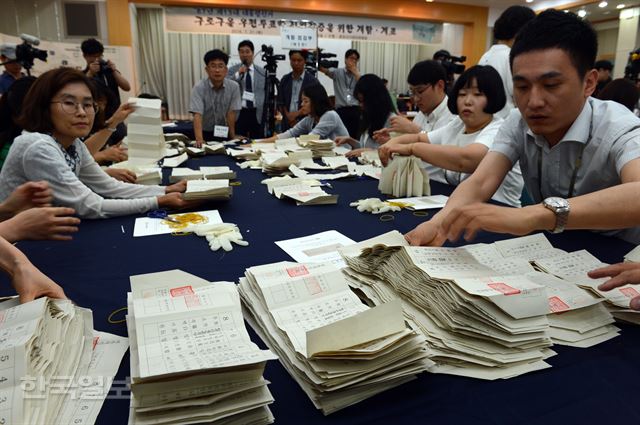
[(248, 96), (221, 131)]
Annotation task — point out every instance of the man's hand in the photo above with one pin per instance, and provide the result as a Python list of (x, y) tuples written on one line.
[(115, 153), (25, 196), (385, 151), (175, 201), (111, 65), (470, 219), (621, 274), (346, 140), (403, 125), (179, 187), (242, 69), (121, 174), (428, 233), (55, 223)]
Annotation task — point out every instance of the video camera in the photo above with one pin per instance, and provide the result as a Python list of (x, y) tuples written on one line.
[(452, 64), (270, 58), (632, 69), (26, 53), (315, 59)]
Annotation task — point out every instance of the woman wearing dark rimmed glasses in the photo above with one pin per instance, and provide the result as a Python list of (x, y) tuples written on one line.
[(59, 110)]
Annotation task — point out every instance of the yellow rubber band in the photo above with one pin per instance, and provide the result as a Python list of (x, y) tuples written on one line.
[(113, 313), (387, 217), (183, 220), (235, 184), (420, 213)]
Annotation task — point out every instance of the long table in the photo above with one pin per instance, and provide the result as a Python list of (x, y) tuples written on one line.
[(595, 385)]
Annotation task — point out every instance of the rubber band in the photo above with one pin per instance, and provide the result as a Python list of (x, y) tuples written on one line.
[(420, 213), (179, 233), (113, 313), (183, 220), (387, 217), (235, 184)]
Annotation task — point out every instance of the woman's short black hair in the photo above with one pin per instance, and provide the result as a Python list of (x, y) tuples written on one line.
[(554, 29), (319, 99), (489, 83), (376, 102), (36, 109)]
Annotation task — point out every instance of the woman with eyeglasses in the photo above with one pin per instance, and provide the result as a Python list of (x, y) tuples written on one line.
[(59, 110), (320, 119), (456, 149)]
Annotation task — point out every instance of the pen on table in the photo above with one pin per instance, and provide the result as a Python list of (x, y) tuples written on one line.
[(122, 228)]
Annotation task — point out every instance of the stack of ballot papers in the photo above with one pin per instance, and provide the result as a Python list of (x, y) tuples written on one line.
[(573, 267), (215, 148), (303, 191), (245, 153), (318, 147), (404, 176), (191, 357), (421, 202), (145, 138), (145, 174), (214, 173), (194, 151), (180, 173), (338, 350), (54, 366), (277, 163), (370, 157), (207, 189), (486, 312), (175, 161)]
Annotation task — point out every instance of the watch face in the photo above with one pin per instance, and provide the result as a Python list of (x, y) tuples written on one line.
[(556, 202)]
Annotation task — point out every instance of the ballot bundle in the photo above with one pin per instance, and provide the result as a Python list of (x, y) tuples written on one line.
[(319, 147), (210, 190), (52, 365), (145, 138), (404, 176), (302, 190), (485, 310), (573, 267), (338, 350), (191, 358), (204, 173), (145, 174)]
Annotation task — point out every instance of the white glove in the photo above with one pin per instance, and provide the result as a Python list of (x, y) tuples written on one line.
[(219, 235), (374, 205)]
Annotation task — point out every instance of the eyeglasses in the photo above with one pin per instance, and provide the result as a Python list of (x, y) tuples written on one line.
[(418, 91), (217, 66), (71, 106)]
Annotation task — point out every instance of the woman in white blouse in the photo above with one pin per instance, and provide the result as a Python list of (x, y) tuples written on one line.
[(320, 120), (377, 110), (58, 110), (454, 151)]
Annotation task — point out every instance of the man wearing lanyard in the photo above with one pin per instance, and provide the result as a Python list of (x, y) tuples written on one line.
[(214, 101), (291, 86), (252, 80), (344, 81), (580, 156)]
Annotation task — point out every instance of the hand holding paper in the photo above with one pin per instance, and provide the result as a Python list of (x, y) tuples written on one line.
[(621, 274)]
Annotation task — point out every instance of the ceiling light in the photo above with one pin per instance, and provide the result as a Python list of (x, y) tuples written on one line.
[(603, 4), (620, 6), (529, 1), (582, 13)]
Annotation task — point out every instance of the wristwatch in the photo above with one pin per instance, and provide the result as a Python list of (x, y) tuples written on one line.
[(560, 208)]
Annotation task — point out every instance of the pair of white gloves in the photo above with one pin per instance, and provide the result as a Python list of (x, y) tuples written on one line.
[(374, 205), (219, 235)]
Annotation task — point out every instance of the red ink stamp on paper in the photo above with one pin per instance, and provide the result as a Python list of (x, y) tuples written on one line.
[(297, 271), (557, 305), (181, 291), (629, 292), (503, 288)]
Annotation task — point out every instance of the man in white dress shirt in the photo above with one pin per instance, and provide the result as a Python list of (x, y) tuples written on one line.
[(504, 32)]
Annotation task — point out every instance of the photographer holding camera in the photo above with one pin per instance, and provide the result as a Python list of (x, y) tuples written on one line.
[(105, 73), (12, 68), (344, 81)]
